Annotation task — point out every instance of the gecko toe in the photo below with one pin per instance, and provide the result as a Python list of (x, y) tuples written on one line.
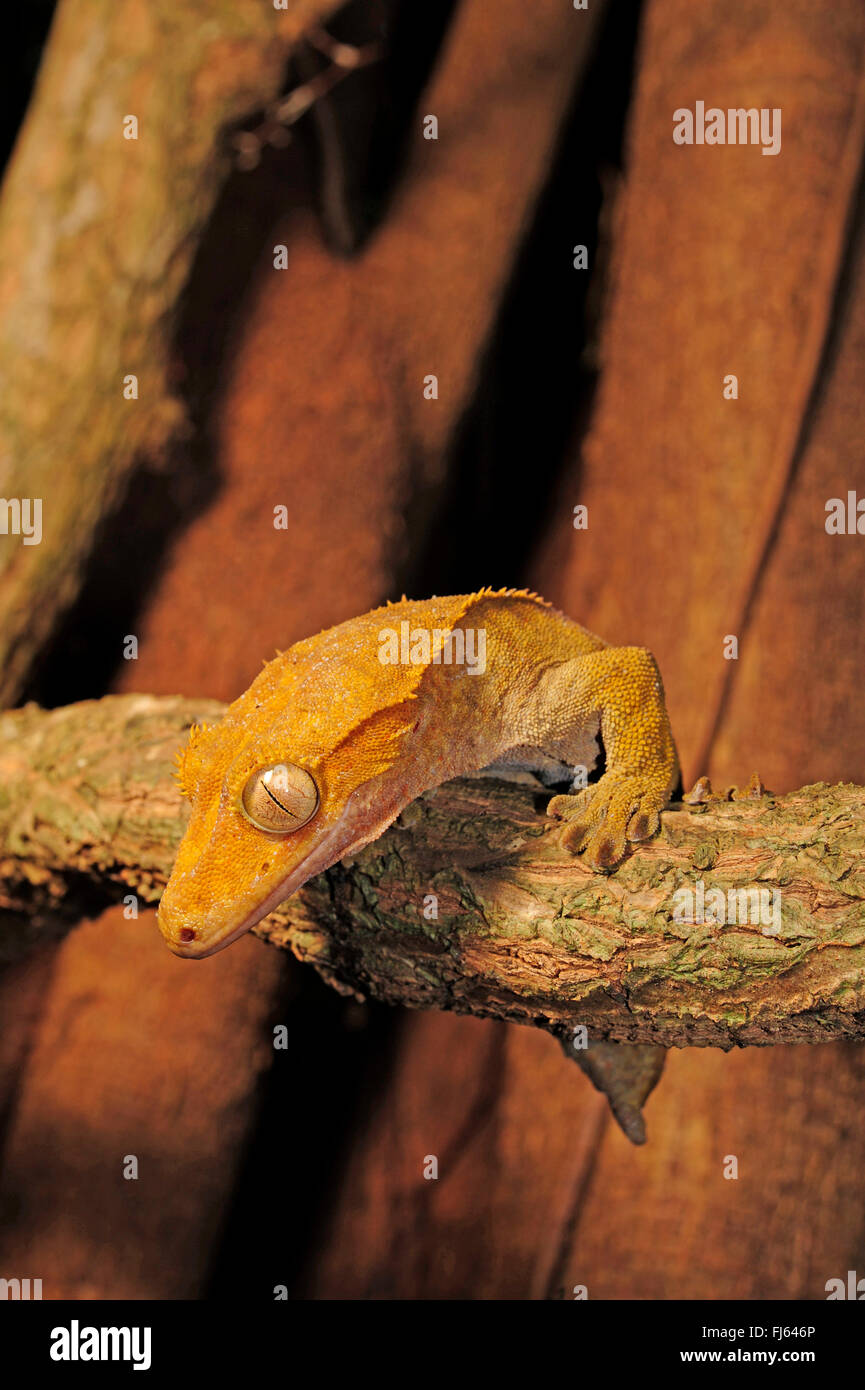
[(643, 825), (608, 852), (603, 819), (574, 836), (567, 805)]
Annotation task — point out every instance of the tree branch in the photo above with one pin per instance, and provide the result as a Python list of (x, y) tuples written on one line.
[(99, 224), (468, 902)]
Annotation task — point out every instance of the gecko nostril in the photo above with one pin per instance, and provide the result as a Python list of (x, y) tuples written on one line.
[(187, 934), (265, 867)]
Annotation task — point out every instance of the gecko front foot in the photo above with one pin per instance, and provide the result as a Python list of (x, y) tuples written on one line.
[(602, 819)]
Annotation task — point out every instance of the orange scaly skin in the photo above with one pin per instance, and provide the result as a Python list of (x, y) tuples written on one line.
[(374, 736)]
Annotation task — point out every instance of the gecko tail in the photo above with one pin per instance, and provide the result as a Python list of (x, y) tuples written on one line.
[(626, 1073)]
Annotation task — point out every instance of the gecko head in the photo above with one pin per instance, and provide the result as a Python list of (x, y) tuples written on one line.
[(293, 779)]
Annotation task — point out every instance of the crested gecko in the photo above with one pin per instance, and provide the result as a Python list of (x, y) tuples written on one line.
[(336, 735)]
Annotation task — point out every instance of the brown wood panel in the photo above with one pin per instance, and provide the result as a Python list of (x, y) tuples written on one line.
[(794, 709), (320, 408), (664, 1222), (724, 263), (727, 262), (133, 1056), (513, 1124)]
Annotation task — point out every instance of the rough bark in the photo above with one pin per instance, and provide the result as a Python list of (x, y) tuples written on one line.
[(97, 234), (468, 902)]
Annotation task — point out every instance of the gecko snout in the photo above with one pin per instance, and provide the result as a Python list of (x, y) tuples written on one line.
[(183, 938), (184, 929)]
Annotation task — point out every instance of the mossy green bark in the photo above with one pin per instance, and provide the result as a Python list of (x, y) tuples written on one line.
[(526, 932), (468, 902)]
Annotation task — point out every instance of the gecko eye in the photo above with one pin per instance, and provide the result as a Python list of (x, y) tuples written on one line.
[(280, 798)]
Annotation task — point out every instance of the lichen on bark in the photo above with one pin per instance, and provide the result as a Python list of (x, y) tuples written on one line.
[(468, 902)]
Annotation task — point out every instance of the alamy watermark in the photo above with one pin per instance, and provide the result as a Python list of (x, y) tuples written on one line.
[(422, 646), (853, 1288), (756, 907), (77, 1343), (845, 518), (735, 126), (21, 516), (20, 1289)]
